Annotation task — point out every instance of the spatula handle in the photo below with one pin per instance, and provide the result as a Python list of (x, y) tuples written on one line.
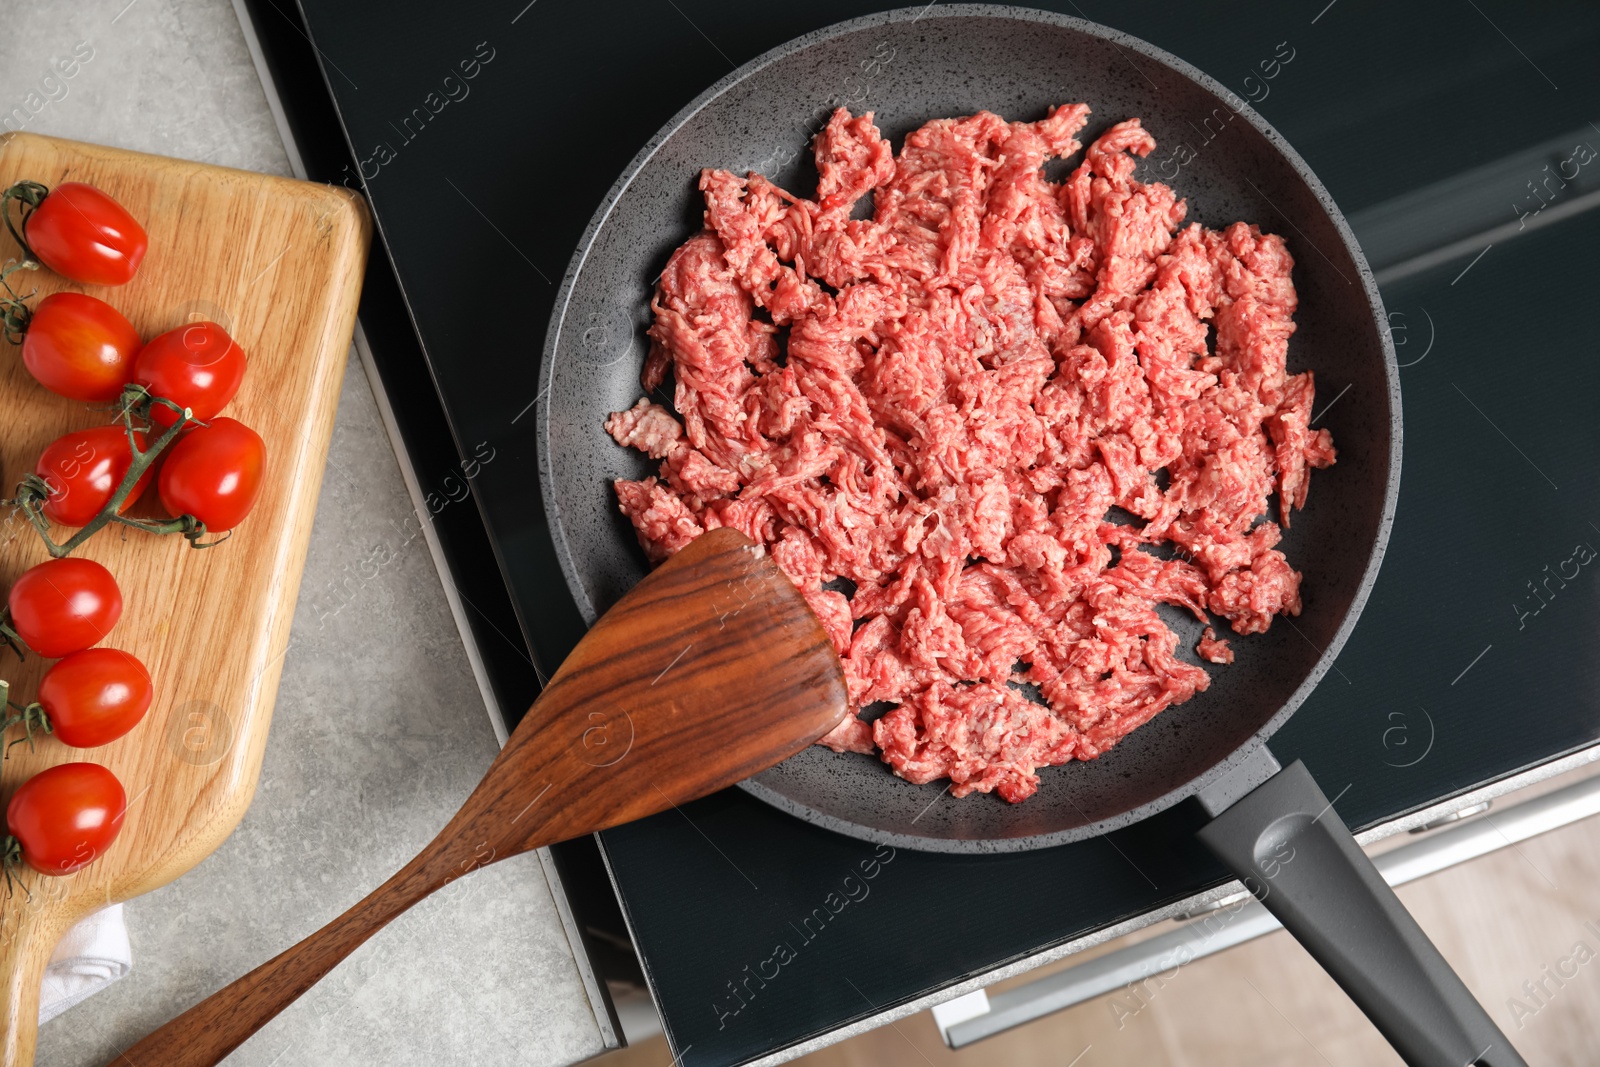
[(711, 669), (207, 1032)]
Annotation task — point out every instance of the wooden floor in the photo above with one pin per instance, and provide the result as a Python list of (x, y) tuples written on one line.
[(1501, 920)]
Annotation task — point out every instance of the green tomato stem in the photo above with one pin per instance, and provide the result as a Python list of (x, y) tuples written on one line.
[(33, 491), (10, 861), (9, 636), (31, 718), (30, 195), (15, 314)]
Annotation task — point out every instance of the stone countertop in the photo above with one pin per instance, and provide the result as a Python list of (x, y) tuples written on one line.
[(380, 730)]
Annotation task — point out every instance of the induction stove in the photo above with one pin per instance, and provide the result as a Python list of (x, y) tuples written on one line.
[(1454, 135)]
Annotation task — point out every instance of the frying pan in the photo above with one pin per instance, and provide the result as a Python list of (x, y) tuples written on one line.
[(1273, 827)]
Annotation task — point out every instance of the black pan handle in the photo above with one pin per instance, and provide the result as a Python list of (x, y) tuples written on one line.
[(1284, 840)]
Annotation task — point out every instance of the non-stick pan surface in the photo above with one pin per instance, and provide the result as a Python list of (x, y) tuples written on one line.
[(908, 67)]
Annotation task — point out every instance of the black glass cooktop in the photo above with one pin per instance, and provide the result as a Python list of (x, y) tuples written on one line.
[(1458, 135)]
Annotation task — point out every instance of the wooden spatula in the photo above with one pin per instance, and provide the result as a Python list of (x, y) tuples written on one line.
[(712, 669)]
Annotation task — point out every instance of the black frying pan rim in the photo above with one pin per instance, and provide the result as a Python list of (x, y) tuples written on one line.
[(1369, 286)]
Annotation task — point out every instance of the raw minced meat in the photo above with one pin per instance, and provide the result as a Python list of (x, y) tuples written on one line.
[(930, 414), (1212, 648)]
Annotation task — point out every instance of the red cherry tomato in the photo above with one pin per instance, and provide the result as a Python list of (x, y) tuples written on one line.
[(81, 233), (83, 469), (196, 366), (66, 816), (64, 605), (214, 473), (80, 347), (95, 696)]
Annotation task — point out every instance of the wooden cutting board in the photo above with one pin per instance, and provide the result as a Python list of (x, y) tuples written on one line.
[(278, 263)]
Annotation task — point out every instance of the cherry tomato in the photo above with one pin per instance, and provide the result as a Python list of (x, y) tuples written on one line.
[(83, 469), (197, 366), (64, 605), (81, 233), (95, 696), (214, 473), (80, 347), (66, 816)]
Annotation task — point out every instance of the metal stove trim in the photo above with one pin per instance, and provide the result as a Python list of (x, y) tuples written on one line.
[(1449, 843), (599, 1004)]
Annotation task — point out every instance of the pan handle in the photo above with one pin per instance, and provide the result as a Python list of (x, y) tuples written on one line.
[(1284, 840)]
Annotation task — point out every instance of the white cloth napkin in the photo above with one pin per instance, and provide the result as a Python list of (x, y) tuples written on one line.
[(90, 957)]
